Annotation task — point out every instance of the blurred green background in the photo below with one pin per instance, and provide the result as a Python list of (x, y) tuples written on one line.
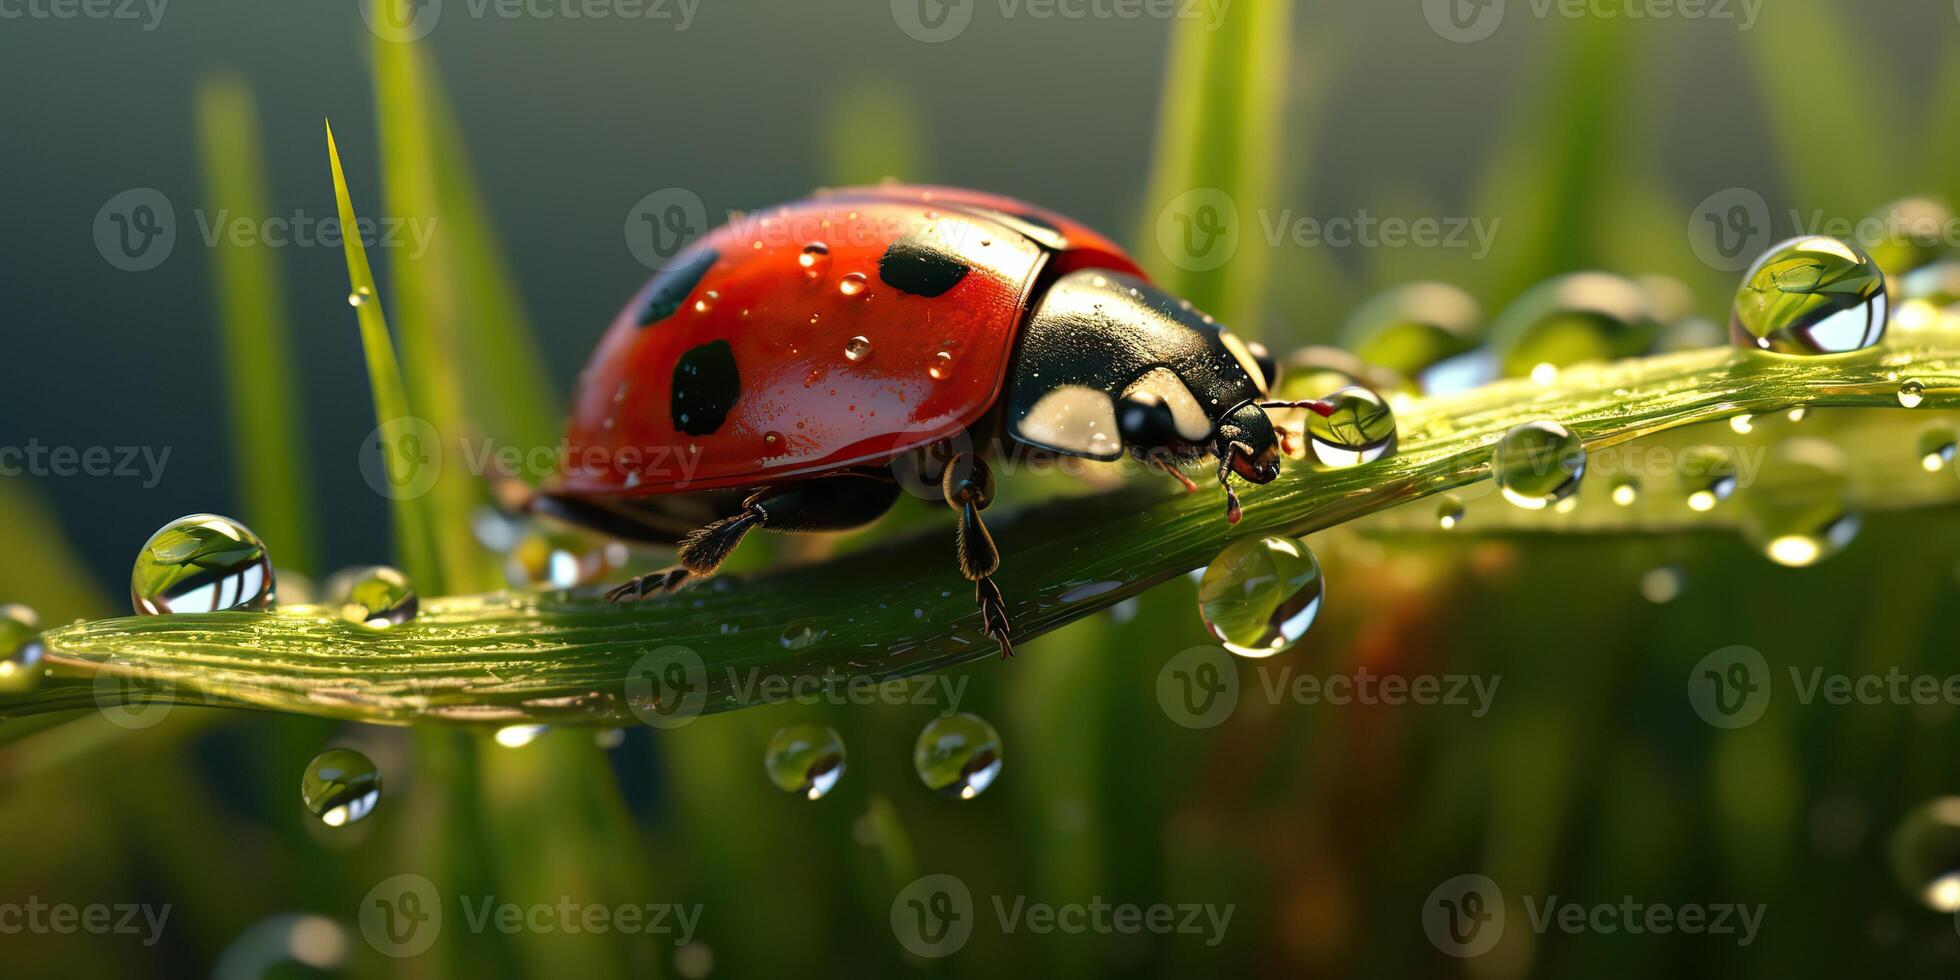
[(1324, 828)]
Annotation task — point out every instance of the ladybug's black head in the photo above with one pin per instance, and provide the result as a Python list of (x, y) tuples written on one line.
[(1248, 444)]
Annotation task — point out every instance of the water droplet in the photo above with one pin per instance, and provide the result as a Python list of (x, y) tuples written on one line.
[(518, 736), (359, 297), (1538, 464), (806, 759), (1661, 585), (815, 259), (1411, 328), (1573, 319), (1260, 594), (941, 367), (341, 786), (1936, 449), (376, 597), (1811, 295), (201, 563), (1360, 429), (21, 649), (857, 348), (852, 284), (1926, 854), (1449, 513), (1911, 393), (772, 442), (556, 560), (1709, 475), (706, 302), (1742, 424), (1626, 490), (803, 634), (1797, 512), (958, 755)]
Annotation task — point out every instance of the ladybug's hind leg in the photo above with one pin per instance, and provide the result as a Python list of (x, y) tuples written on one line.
[(969, 488)]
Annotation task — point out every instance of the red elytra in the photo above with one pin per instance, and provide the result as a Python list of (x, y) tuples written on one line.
[(833, 364)]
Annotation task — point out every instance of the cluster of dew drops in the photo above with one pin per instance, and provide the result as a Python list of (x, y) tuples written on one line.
[(1807, 297)]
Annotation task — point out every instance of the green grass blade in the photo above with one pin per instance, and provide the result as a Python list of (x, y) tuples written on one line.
[(273, 479), (1827, 104), (873, 129)]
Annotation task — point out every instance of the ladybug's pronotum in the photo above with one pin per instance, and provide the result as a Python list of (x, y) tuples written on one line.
[(795, 369)]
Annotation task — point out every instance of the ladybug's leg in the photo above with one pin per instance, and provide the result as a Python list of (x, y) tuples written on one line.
[(969, 488)]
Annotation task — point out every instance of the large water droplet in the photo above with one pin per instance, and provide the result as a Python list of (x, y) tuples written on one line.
[(341, 786), (814, 259), (1360, 429), (1410, 328), (1926, 854), (1259, 596), (1911, 393), (21, 649), (1797, 513), (1538, 464), (201, 563), (1811, 295), (958, 755), (376, 597), (806, 759), (1573, 319), (857, 349)]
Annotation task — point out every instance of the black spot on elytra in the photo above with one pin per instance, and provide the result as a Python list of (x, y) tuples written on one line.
[(916, 266), (671, 286), (705, 388)]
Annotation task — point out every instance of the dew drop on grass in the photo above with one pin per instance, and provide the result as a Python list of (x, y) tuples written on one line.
[(375, 597), (814, 259), (805, 759), (1259, 596), (1911, 393), (21, 649), (1810, 295), (1708, 475), (857, 349), (1926, 854), (803, 634), (1360, 429), (1573, 319), (1537, 464), (1797, 513), (201, 563), (1413, 327), (1936, 449), (359, 297), (958, 755), (1661, 585), (518, 736), (1449, 513), (341, 786), (1626, 490)]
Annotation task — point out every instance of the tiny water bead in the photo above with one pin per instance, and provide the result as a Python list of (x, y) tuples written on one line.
[(21, 649), (1911, 393), (1259, 596), (1625, 491), (201, 563), (941, 366), (804, 634), (341, 786), (376, 597), (1537, 464), (852, 284), (1413, 327), (958, 755), (1573, 319), (1936, 449), (518, 736), (1797, 513), (359, 297), (1810, 295), (1449, 513), (806, 759), (1926, 854), (1359, 429), (857, 349), (814, 259), (1709, 475)]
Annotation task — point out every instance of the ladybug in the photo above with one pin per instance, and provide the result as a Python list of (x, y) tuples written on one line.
[(797, 369)]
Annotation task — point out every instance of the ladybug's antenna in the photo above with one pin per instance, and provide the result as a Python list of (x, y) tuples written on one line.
[(1314, 405)]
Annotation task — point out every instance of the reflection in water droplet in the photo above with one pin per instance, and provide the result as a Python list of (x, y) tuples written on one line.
[(1810, 295), (1708, 474), (1911, 393), (1259, 596), (1449, 513), (1936, 449), (518, 736), (852, 284), (21, 649), (857, 348), (1538, 464), (941, 367), (201, 563), (815, 259), (341, 786), (706, 302), (1573, 319), (803, 634), (1360, 429), (958, 755), (806, 759), (376, 597), (1926, 854), (1797, 512), (359, 297)]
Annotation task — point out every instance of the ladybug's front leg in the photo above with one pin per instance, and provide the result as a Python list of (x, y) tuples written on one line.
[(969, 487)]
